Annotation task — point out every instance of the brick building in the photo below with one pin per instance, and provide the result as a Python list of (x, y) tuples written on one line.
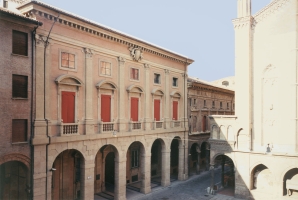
[(204, 99), (110, 111), (16, 65)]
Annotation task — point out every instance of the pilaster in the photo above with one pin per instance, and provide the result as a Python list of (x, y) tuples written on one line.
[(120, 179), (121, 95), (181, 163), (146, 174), (87, 180), (167, 99), (165, 168), (184, 103), (89, 124), (147, 120)]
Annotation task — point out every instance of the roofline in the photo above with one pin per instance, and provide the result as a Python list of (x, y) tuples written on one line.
[(193, 81), (187, 60), (7, 12)]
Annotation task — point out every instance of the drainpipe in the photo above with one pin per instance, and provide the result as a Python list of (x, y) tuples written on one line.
[(44, 96)]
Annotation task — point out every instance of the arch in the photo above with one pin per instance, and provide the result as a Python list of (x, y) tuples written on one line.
[(175, 94), (67, 79), (214, 132), (157, 92), (15, 157), (256, 170), (290, 175), (135, 89), (107, 85), (194, 161), (220, 154)]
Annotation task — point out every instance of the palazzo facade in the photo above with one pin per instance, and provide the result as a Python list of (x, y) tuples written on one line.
[(259, 144), (110, 110)]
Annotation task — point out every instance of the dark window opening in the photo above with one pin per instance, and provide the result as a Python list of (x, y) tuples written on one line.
[(213, 104), (134, 158), (220, 104), (5, 4), (19, 86), (20, 43), (175, 82), (157, 78), (19, 130), (204, 103)]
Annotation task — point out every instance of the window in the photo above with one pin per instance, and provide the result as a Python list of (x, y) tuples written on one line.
[(220, 104), (20, 43), (228, 105), (106, 108), (213, 104), (134, 74), (204, 123), (204, 103), (233, 106), (134, 158), (175, 110), (190, 101), (134, 109), (105, 68), (157, 78), (19, 86), (67, 60), (68, 107), (194, 101), (175, 82), (157, 109), (5, 4), (19, 130)]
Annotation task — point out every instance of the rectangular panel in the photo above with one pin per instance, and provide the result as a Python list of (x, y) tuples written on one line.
[(68, 107), (175, 110), (19, 130), (157, 109), (106, 108), (134, 106)]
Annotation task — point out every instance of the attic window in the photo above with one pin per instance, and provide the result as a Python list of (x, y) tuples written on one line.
[(225, 83), (5, 4)]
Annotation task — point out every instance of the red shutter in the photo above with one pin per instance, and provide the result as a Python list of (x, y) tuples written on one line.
[(157, 110), (106, 108), (175, 110), (134, 106), (68, 107)]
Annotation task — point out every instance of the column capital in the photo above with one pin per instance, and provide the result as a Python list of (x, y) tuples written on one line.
[(146, 66), (121, 60), (41, 40), (167, 72), (88, 52), (184, 75)]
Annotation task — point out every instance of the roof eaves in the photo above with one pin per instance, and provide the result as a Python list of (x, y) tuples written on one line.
[(20, 16)]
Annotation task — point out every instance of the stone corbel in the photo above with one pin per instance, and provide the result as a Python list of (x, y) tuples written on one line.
[(88, 52)]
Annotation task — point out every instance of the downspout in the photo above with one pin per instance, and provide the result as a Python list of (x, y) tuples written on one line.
[(32, 110), (44, 100)]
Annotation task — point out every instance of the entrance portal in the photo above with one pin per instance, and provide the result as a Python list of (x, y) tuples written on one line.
[(13, 179)]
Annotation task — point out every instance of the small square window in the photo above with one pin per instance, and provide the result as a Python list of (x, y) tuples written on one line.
[(175, 82), (134, 73), (157, 78), (20, 43), (19, 130), (19, 86), (67, 60), (105, 68)]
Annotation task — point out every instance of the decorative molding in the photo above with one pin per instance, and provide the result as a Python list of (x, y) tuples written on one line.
[(184, 75), (88, 52), (108, 34), (167, 72), (146, 66), (136, 53), (243, 21), (121, 60)]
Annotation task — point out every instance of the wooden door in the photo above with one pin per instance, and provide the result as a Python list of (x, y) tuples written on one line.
[(157, 109), (68, 107), (175, 110), (134, 109), (106, 108)]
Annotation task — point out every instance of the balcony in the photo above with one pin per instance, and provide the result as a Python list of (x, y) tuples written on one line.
[(106, 127), (67, 129), (157, 124), (176, 124), (133, 125)]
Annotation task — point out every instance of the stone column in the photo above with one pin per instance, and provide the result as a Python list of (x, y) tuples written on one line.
[(181, 162), (121, 94), (147, 107), (146, 173), (167, 98), (211, 169), (165, 168), (198, 163), (87, 180), (89, 124), (120, 179)]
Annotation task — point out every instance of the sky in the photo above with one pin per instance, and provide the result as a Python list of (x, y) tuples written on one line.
[(199, 29)]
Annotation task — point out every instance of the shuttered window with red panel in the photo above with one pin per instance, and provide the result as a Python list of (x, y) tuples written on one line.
[(157, 109), (134, 109), (175, 110), (68, 107), (106, 108)]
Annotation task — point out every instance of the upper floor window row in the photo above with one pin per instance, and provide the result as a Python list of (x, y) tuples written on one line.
[(67, 60), (19, 43)]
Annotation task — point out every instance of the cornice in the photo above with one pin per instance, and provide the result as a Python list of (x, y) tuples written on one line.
[(243, 21), (269, 9), (108, 34)]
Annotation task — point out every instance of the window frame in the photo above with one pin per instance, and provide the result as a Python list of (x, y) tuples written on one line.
[(75, 60), (106, 75), (220, 105), (26, 133), (134, 158), (159, 78), (27, 44), (131, 78), (12, 89), (175, 86)]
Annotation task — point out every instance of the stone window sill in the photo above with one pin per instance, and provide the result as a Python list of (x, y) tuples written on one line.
[(20, 55), (16, 143), (19, 98)]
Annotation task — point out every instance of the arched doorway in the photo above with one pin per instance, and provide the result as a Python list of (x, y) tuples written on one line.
[(135, 167), (110, 169), (174, 158), (255, 178), (156, 164), (289, 178), (205, 156), (13, 181), (194, 165), (66, 178), (227, 174)]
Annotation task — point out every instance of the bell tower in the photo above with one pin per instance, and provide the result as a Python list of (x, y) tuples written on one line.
[(243, 71)]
